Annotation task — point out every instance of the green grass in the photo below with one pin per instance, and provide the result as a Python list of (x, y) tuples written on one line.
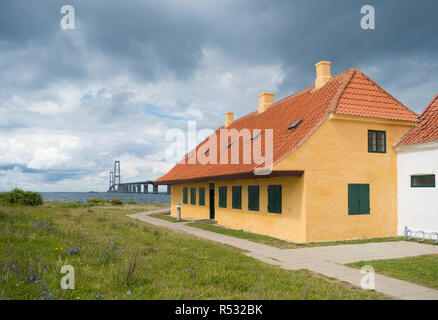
[(113, 254), (422, 270), (282, 244), (166, 217)]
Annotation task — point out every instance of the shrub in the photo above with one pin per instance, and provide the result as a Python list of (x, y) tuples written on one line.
[(116, 202), (96, 201), (20, 197)]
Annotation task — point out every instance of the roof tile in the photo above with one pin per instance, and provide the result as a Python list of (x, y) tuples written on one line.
[(427, 129)]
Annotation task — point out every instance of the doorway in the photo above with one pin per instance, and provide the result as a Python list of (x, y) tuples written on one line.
[(212, 201)]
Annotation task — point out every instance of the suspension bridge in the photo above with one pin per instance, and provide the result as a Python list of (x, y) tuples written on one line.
[(115, 184)]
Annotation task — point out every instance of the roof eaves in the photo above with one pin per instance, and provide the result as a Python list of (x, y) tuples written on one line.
[(235, 176)]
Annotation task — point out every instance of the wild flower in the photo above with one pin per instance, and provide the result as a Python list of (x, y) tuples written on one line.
[(70, 248), (128, 292)]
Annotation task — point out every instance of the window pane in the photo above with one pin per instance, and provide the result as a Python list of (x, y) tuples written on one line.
[(372, 141), (381, 142), (425, 181), (376, 141)]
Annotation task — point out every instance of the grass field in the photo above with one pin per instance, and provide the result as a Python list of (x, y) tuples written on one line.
[(116, 257), (281, 243), (422, 270)]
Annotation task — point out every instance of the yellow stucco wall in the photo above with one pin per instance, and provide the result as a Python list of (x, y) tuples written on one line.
[(315, 206), (287, 225), (337, 155), (188, 210)]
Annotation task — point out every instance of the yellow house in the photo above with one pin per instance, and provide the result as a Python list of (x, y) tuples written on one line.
[(329, 170)]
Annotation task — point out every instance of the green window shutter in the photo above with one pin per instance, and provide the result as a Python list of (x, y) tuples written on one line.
[(274, 199), (358, 199), (237, 197), (202, 196), (192, 195), (353, 199), (253, 198), (185, 195), (222, 197), (364, 200)]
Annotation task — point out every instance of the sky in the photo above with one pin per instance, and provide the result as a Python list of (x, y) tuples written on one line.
[(73, 101)]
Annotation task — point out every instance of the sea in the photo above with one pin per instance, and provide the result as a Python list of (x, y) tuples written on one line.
[(161, 198)]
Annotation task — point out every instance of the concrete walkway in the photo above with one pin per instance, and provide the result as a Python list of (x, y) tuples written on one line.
[(327, 260)]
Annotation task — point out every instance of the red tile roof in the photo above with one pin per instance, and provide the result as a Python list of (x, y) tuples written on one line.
[(348, 93), (427, 129)]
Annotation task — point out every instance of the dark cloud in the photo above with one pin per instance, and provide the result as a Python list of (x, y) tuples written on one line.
[(132, 70)]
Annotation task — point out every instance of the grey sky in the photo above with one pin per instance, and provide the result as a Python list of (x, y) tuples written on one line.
[(73, 101)]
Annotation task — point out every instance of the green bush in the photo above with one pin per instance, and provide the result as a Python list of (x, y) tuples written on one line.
[(20, 197), (96, 201), (116, 202)]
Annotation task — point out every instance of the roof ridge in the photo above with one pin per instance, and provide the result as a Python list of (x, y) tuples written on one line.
[(424, 118), (340, 91), (311, 87), (429, 106), (387, 93), (292, 95)]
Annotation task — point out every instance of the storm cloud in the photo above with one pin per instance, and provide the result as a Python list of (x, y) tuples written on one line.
[(73, 101)]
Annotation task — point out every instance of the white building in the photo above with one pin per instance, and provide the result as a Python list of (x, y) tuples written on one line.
[(417, 154)]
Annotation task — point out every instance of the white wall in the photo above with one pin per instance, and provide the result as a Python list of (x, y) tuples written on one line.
[(417, 207)]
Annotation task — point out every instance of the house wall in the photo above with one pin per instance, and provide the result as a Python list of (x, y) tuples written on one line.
[(287, 225), (187, 210), (315, 206), (418, 207), (337, 155)]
